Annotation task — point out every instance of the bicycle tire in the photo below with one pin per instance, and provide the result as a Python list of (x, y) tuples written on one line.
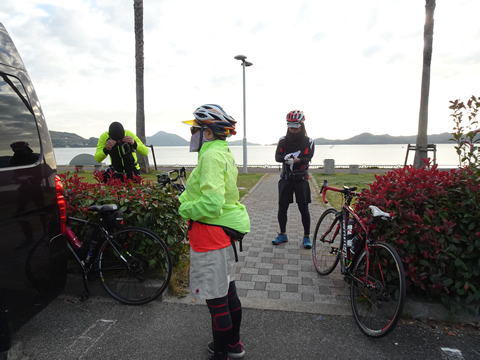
[(137, 269), (327, 244), (377, 308)]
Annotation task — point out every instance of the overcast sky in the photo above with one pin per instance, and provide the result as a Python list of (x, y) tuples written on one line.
[(352, 66)]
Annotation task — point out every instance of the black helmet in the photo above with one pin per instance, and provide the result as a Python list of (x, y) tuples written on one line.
[(116, 131)]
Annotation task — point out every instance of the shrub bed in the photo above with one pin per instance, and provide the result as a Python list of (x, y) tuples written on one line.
[(143, 203), (435, 228)]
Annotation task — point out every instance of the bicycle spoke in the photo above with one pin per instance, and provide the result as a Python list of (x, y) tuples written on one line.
[(326, 243), (135, 267), (378, 294)]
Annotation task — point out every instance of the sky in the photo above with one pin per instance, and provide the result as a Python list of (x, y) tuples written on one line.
[(351, 66)]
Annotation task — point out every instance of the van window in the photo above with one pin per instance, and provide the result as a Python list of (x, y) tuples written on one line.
[(19, 139)]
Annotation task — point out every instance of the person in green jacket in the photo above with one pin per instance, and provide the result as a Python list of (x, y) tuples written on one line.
[(122, 147), (216, 218)]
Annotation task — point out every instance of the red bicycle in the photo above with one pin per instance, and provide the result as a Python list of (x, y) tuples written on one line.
[(372, 268)]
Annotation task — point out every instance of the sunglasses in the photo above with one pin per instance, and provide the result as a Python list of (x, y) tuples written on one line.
[(193, 130)]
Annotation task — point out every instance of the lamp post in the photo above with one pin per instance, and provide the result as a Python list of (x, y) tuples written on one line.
[(244, 63)]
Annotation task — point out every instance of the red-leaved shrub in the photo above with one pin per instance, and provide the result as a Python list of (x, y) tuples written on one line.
[(143, 203), (435, 229)]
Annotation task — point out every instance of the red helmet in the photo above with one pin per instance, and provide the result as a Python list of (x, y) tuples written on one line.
[(295, 118)]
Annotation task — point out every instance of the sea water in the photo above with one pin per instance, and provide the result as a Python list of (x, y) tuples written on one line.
[(264, 156)]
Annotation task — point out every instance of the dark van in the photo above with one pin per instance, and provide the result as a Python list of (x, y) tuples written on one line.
[(33, 255)]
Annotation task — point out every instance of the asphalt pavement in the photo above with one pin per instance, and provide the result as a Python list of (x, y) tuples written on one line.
[(102, 328)]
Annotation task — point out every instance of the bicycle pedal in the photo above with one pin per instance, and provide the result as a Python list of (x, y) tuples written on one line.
[(333, 251)]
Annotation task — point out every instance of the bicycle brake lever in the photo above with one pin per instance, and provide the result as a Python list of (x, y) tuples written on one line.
[(323, 186)]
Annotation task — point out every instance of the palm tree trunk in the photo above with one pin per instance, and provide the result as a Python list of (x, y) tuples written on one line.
[(421, 150), (139, 77)]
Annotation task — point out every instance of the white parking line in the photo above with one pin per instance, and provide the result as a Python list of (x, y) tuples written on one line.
[(452, 354), (90, 337)]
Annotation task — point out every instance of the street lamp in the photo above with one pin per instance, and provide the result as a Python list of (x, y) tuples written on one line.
[(244, 63)]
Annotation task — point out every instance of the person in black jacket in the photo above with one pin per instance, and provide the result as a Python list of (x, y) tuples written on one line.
[(295, 150)]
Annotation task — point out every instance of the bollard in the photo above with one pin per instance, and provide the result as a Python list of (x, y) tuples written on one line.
[(354, 169), (329, 166)]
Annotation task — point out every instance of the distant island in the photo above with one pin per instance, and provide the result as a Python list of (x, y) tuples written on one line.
[(161, 138), (367, 138)]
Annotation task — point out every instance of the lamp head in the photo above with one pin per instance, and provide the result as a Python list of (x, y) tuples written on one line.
[(240, 57)]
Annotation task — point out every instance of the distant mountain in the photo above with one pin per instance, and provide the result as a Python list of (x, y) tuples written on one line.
[(367, 138), (240, 142), (65, 139), (161, 138)]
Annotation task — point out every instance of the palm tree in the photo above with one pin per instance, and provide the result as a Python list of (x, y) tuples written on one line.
[(421, 149), (139, 71)]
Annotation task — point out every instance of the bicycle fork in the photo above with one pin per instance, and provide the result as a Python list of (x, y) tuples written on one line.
[(364, 279)]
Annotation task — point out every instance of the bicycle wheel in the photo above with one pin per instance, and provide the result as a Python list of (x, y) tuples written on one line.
[(326, 245), (134, 266), (378, 297)]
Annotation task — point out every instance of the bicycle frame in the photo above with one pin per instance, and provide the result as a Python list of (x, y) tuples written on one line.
[(85, 265), (343, 215), (346, 212)]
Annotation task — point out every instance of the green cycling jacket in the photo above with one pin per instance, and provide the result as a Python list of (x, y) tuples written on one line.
[(211, 194), (119, 161)]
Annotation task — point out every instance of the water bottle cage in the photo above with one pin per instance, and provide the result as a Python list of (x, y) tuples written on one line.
[(356, 241)]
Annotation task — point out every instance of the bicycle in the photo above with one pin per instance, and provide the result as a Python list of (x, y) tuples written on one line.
[(372, 268), (111, 174), (132, 263), (167, 178)]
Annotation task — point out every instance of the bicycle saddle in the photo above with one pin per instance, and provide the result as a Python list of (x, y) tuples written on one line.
[(103, 208), (378, 213)]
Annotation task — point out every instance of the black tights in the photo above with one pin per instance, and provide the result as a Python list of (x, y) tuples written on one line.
[(226, 314), (282, 217)]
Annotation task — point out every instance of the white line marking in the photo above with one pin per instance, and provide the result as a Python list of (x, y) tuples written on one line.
[(452, 354), (90, 337)]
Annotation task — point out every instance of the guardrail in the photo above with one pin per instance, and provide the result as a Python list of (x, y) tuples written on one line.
[(268, 166)]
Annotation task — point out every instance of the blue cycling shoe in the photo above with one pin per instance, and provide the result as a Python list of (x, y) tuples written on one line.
[(306, 242), (281, 238)]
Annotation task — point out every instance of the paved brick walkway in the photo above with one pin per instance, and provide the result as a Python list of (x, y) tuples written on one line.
[(283, 276)]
